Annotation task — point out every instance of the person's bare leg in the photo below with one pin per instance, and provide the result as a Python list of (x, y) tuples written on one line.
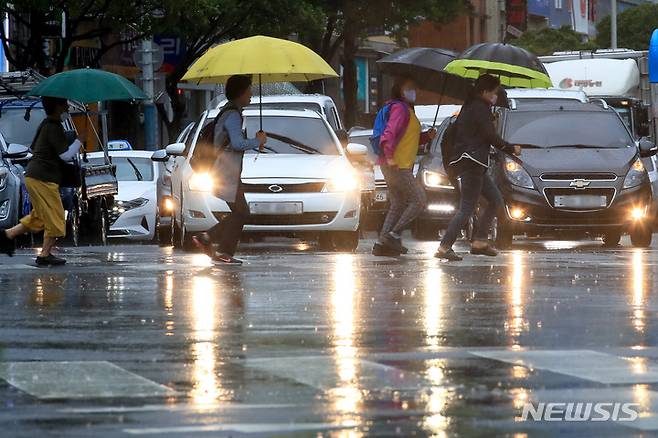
[(48, 243), (16, 231)]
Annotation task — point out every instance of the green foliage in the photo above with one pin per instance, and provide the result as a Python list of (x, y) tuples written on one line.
[(634, 27), (546, 41)]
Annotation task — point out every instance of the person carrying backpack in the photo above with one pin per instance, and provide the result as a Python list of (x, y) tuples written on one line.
[(474, 135), (230, 143), (397, 147)]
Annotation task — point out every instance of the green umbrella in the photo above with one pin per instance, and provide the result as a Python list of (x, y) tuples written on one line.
[(514, 66), (88, 85)]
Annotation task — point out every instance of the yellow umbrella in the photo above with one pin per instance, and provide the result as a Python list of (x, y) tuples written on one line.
[(264, 58)]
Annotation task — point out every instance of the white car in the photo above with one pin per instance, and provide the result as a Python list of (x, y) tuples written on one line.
[(303, 183), (134, 214)]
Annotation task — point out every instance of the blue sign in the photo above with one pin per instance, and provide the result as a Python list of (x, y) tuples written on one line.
[(541, 8), (653, 57)]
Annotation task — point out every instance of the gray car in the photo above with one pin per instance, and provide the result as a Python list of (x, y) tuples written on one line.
[(165, 201), (11, 182)]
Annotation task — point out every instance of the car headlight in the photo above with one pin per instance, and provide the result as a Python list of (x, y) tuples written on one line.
[(517, 175), (636, 175), (436, 180), (123, 206), (342, 182), (201, 182)]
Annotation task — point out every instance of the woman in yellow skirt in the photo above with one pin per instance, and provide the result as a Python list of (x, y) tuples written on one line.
[(42, 179)]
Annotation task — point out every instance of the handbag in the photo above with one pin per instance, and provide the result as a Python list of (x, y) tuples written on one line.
[(71, 174)]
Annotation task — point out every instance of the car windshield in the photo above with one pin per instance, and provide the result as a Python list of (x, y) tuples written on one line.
[(130, 168), (16, 129), (294, 135), (565, 128)]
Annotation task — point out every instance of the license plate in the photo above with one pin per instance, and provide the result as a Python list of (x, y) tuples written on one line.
[(381, 196), (275, 208), (580, 201)]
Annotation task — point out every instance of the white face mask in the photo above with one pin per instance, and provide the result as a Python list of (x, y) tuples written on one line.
[(64, 116), (410, 95), (494, 99)]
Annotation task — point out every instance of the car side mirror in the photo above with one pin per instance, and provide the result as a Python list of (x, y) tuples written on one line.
[(16, 151), (175, 149), (356, 150), (647, 148), (160, 155)]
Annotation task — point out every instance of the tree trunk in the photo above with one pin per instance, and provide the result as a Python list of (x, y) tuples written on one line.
[(350, 86)]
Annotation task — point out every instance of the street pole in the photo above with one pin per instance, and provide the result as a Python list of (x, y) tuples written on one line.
[(149, 89), (613, 24)]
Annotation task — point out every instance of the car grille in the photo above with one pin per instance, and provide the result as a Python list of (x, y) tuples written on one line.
[(551, 193), (314, 218), (601, 176), (312, 187)]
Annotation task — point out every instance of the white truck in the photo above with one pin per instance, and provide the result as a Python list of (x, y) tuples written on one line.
[(620, 77)]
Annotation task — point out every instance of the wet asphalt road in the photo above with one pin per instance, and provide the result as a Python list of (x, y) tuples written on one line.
[(140, 340)]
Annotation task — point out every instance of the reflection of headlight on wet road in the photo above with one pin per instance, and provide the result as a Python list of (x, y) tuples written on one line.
[(201, 182), (342, 182)]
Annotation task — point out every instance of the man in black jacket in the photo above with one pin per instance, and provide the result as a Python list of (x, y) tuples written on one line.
[(474, 134)]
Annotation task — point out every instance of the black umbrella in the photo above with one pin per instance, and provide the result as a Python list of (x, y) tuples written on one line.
[(425, 66), (516, 67)]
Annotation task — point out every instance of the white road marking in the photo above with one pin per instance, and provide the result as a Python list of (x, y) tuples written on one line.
[(583, 364), (321, 372), (243, 428), (173, 408), (79, 380)]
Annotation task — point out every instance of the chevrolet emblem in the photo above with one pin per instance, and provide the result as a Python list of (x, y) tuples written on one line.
[(579, 184)]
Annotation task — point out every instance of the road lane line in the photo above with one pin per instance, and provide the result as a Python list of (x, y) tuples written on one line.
[(242, 428), (79, 380), (583, 364)]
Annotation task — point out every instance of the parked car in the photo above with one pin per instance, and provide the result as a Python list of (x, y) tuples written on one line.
[(135, 211), (303, 184), (581, 173)]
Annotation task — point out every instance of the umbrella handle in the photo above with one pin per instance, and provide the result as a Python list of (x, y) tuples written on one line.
[(260, 95), (443, 89)]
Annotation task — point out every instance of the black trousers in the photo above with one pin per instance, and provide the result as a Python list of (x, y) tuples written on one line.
[(228, 231)]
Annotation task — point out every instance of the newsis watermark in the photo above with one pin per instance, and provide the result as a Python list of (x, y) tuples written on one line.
[(580, 411)]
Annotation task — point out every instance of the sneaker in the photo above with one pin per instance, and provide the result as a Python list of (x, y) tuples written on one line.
[(395, 243), (225, 259), (7, 245), (50, 260), (449, 255), (203, 242), (485, 250), (384, 251)]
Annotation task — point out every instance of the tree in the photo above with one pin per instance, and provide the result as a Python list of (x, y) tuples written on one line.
[(347, 21), (205, 23), (546, 41), (41, 20), (634, 27)]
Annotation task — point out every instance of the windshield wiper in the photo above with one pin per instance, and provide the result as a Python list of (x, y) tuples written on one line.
[(294, 144), (138, 174), (577, 146)]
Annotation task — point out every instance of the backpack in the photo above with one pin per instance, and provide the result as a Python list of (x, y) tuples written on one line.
[(380, 125), (206, 152), (448, 142)]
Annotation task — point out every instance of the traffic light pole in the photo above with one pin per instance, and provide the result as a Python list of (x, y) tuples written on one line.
[(613, 24)]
